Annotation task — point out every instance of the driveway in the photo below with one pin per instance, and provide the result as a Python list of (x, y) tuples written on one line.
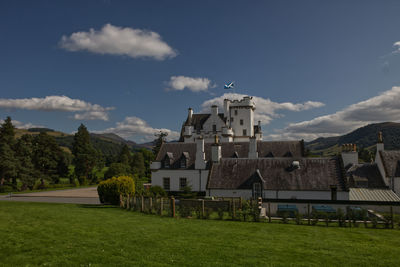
[(86, 195)]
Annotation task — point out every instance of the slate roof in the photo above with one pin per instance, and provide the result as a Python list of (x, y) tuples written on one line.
[(228, 150), (370, 194), (198, 120), (391, 162), (314, 174), (368, 172)]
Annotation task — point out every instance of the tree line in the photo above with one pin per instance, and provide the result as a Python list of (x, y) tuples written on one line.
[(34, 160)]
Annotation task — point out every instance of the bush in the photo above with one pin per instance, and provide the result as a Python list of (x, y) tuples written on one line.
[(110, 190), (6, 189), (220, 213), (298, 218), (284, 216), (341, 218), (157, 191)]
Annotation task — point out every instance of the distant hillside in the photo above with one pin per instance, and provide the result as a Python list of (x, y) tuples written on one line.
[(108, 143), (365, 137)]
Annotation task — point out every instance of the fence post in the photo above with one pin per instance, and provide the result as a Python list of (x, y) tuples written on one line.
[(269, 212), (121, 203), (161, 205), (173, 206), (134, 202), (128, 202), (391, 216), (202, 208), (240, 203), (308, 213), (151, 204), (142, 204), (233, 209)]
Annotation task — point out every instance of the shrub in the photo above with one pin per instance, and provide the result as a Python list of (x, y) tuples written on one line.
[(110, 190), (314, 219), (157, 191), (185, 211), (374, 222), (341, 218), (298, 218), (6, 189), (284, 217), (220, 213), (207, 213)]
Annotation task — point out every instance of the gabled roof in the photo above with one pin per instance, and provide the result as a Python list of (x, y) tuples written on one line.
[(198, 120), (368, 172), (314, 174), (391, 162), (264, 148)]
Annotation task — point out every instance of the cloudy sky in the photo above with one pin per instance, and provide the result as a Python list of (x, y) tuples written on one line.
[(314, 68)]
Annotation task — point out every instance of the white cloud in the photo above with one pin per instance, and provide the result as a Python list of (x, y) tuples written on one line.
[(59, 103), (179, 83), (265, 108), (22, 125), (138, 129), (396, 45), (381, 108), (115, 40)]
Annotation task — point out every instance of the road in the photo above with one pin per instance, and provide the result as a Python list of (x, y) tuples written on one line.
[(86, 195)]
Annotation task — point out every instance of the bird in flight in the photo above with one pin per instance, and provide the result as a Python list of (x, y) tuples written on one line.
[(229, 85)]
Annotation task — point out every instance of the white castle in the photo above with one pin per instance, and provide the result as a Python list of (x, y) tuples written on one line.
[(235, 124)]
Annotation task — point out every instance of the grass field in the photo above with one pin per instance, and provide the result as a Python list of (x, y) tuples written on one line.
[(66, 234)]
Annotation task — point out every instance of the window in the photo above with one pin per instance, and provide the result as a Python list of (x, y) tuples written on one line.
[(232, 119), (244, 132), (257, 192), (183, 162), (235, 112), (241, 122), (166, 162), (214, 128), (166, 183), (182, 183)]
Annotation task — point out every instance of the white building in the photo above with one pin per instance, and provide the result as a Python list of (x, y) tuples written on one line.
[(235, 124)]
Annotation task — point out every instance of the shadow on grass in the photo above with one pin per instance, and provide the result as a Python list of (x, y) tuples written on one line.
[(96, 206)]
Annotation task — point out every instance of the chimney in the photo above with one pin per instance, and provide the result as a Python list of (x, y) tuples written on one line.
[(216, 150), (253, 154), (379, 144), (349, 154), (190, 114), (200, 162), (214, 110), (226, 108)]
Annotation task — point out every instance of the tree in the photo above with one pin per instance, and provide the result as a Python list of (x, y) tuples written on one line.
[(84, 154), (161, 137), (148, 158), (48, 158), (125, 156), (138, 166), (117, 169), (8, 162), (25, 169)]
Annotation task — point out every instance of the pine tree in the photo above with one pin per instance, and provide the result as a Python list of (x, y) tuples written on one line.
[(47, 157), (25, 169), (125, 156), (161, 137), (84, 155), (8, 162)]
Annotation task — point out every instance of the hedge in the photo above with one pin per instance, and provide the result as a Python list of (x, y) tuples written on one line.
[(110, 189)]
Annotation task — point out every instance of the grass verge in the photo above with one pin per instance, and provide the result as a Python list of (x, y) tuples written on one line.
[(67, 234)]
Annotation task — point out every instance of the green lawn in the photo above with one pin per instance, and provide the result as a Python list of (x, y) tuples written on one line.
[(66, 234)]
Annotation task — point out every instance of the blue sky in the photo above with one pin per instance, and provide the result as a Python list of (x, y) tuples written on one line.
[(315, 68)]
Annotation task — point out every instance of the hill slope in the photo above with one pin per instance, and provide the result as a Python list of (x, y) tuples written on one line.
[(365, 137)]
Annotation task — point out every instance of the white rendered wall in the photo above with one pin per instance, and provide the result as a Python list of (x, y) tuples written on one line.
[(350, 158), (325, 195), (245, 114), (197, 179), (378, 161)]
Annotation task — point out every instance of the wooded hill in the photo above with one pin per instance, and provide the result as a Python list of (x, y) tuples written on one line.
[(108, 143), (364, 137)]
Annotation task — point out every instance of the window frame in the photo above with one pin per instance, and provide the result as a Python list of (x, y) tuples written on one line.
[(241, 122), (244, 132), (181, 179), (165, 180)]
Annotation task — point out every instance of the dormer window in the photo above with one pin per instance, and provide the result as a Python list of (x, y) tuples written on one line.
[(166, 163), (183, 163), (214, 127)]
